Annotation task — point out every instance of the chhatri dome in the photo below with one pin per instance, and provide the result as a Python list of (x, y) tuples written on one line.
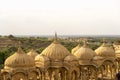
[(19, 60), (32, 53), (55, 51), (70, 58), (41, 61), (84, 53), (105, 50), (75, 48)]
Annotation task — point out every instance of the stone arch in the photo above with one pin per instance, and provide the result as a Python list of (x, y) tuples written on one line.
[(39, 74), (56, 73), (88, 72), (6, 76), (117, 62), (92, 71), (32, 75), (49, 72), (107, 62), (52, 73), (74, 74), (19, 71), (19, 76), (63, 73), (107, 69)]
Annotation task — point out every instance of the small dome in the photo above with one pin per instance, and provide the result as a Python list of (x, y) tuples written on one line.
[(32, 53), (84, 53), (55, 51), (75, 49), (41, 58), (41, 61), (117, 52), (71, 58), (19, 60), (105, 51), (117, 49)]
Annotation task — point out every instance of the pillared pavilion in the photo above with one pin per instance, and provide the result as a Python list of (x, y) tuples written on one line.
[(57, 63)]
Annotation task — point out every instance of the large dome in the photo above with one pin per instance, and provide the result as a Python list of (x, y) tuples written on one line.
[(105, 51), (55, 51), (19, 60), (84, 53), (75, 49)]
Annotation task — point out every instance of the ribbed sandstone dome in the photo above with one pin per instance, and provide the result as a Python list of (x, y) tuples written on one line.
[(105, 51), (85, 53), (71, 57), (19, 60), (41, 58), (75, 49), (117, 52), (32, 53), (55, 51)]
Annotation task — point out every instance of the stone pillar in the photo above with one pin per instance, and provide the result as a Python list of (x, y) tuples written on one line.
[(43, 76), (69, 76), (63, 75), (50, 75), (101, 73), (96, 75), (77, 76), (56, 76), (107, 70), (111, 73)]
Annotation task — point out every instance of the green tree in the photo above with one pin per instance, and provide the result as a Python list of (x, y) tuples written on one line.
[(10, 36), (6, 52)]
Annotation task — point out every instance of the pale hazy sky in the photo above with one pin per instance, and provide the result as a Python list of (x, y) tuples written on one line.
[(66, 17)]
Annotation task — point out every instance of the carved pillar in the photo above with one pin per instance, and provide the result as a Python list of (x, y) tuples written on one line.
[(77, 76), (73, 75), (101, 73), (43, 76), (50, 75), (56, 76), (68, 75), (111, 73), (114, 71), (118, 65), (40, 76), (91, 72), (6, 76), (96, 76), (107, 70), (63, 75), (81, 75)]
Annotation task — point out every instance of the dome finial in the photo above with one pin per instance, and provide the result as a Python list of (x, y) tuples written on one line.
[(55, 38), (85, 41), (79, 42), (104, 42), (19, 48), (19, 44)]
